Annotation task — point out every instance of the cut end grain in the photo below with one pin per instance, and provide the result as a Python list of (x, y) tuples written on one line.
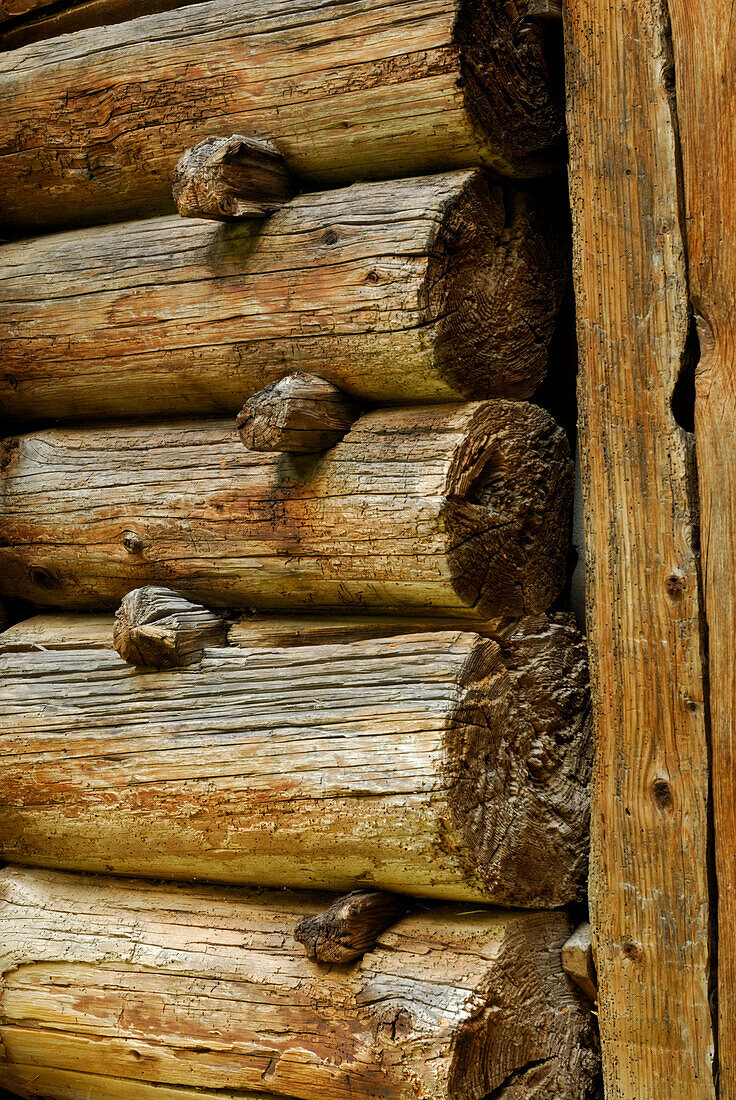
[(157, 628)]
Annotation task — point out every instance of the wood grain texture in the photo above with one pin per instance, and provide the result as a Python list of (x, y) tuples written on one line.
[(94, 123), (432, 289), (418, 764), (350, 926), (232, 177), (206, 989), (445, 509), (157, 628), (23, 22), (300, 413), (705, 56), (650, 904)]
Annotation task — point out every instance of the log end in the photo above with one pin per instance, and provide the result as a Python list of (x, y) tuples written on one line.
[(158, 628), (507, 511), (511, 69), (300, 413), (225, 178), (351, 925), (496, 278)]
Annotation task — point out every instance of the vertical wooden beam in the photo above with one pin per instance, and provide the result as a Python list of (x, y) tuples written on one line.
[(705, 67), (649, 880)]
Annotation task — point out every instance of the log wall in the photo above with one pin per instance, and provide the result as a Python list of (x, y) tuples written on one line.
[(420, 290), (193, 988)]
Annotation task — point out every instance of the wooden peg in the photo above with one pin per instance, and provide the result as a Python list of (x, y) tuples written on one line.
[(232, 177), (351, 925), (301, 413), (157, 628), (577, 961)]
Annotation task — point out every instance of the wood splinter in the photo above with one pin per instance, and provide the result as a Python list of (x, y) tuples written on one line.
[(157, 628), (233, 177), (301, 413), (578, 962), (351, 926)]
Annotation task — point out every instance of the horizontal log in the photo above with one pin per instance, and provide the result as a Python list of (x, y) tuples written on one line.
[(419, 765), (347, 91), (433, 289), (25, 21), (448, 509), (205, 991)]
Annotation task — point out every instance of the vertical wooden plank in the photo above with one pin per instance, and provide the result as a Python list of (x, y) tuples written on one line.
[(649, 869), (705, 67)]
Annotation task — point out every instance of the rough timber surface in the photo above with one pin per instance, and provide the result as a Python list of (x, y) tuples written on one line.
[(649, 875), (447, 509), (433, 289), (418, 764), (113, 986), (95, 122)]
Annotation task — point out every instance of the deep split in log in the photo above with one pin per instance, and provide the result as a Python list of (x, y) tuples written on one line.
[(351, 926), (223, 178), (157, 628), (201, 990), (419, 765), (451, 510), (403, 90), (300, 413), (433, 289)]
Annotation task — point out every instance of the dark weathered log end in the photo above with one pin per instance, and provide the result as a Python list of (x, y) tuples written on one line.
[(157, 628), (224, 178), (351, 926), (507, 510), (511, 89), (495, 281), (301, 414)]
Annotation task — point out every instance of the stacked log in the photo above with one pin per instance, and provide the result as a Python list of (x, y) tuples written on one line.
[(95, 122), (457, 509), (420, 290), (192, 989)]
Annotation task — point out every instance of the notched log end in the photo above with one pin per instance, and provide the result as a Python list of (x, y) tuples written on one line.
[(509, 62), (158, 628), (351, 925), (495, 282), (578, 963), (300, 413), (234, 177), (507, 510)]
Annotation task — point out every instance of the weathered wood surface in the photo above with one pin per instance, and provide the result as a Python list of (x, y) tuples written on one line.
[(418, 764), (705, 56), (206, 989), (447, 509), (94, 123), (578, 962), (157, 628), (649, 880), (23, 22), (300, 413), (351, 926), (431, 289), (232, 177)]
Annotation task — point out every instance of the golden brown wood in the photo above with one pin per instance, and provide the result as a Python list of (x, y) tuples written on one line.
[(157, 628), (233, 177), (430, 289), (705, 66), (431, 764), (205, 991), (650, 906), (301, 414), (440, 510), (577, 961), (25, 21), (351, 926), (95, 122)]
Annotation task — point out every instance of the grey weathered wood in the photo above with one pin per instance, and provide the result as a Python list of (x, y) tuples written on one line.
[(224, 178), (431, 289), (300, 413), (157, 628), (577, 961), (425, 764), (94, 122), (111, 985), (350, 926), (440, 510)]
